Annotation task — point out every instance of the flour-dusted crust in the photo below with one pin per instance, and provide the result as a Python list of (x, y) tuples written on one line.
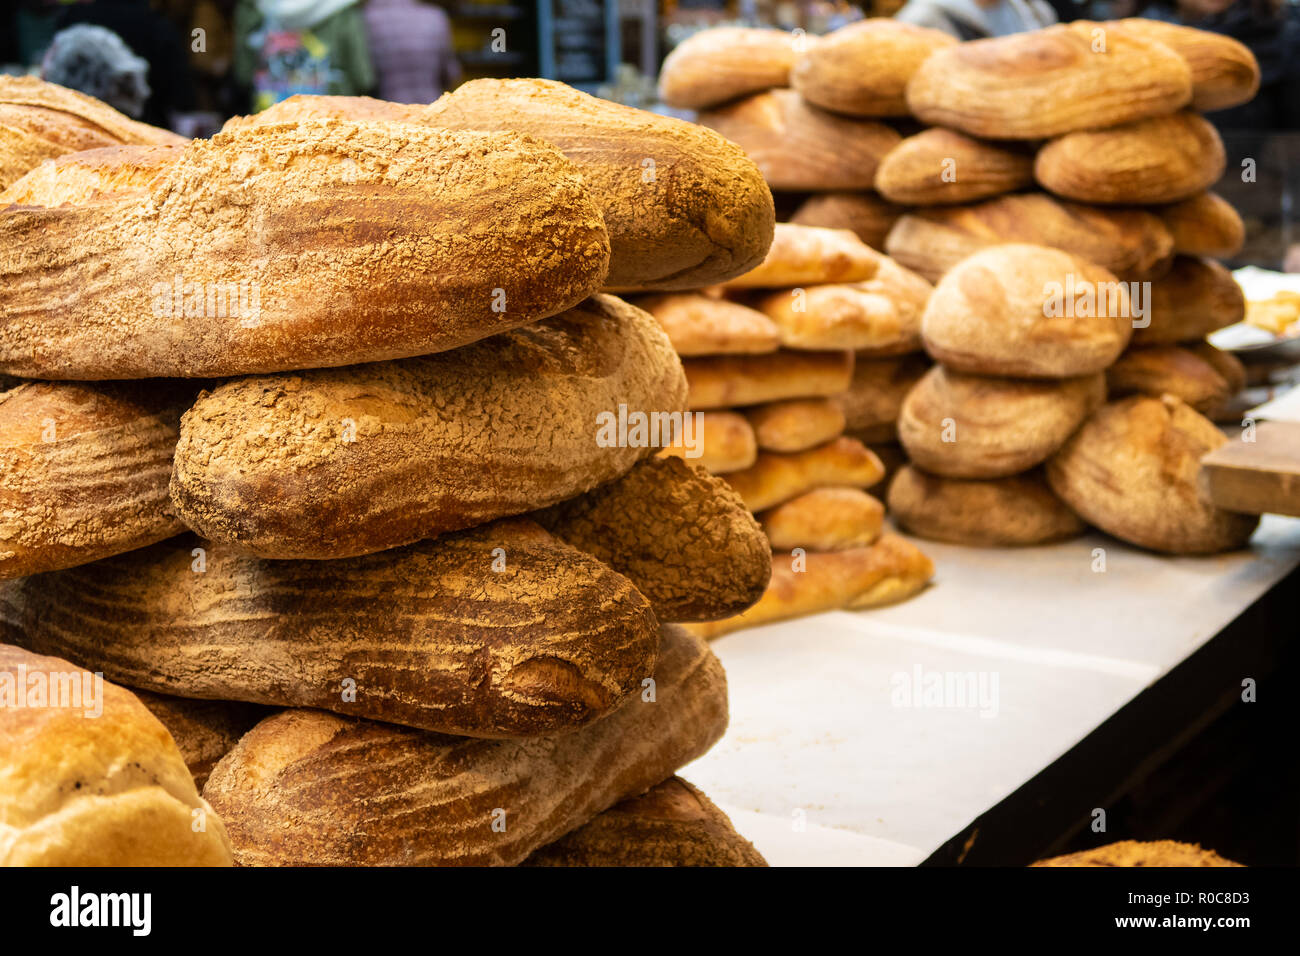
[(942, 166), (1141, 853), (713, 66)]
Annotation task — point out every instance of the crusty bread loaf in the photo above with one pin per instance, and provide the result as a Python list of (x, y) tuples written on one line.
[(941, 166), (1048, 82), (679, 534), (1155, 160), (1204, 225), (492, 632), (339, 462), (799, 147), (39, 121), (204, 730), (824, 519), (1132, 470), (778, 477), (1224, 71), (873, 400), (672, 824), (307, 106), (811, 255), (862, 69), (700, 324), (310, 788), (1132, 243), (684, 207), (721, 64), (92, 175), (1024, 311), (891, 570), (970, 426), (84, 470), (1139, 853), (1169, 369), (287, 246), (843, 316), (88, 777), (723, 381), (795, 424), (867, 215), (1016, 511), (1196, 297), (724, 442)]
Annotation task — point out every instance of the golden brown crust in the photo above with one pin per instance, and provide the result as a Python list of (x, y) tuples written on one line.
[(1139, 853), (873, 400), (84, 471), (700, 324), (310, 788), (724, 381), (1021, 310), (795, 424), (891, 570), (1048, 82), (698, 213), (94, 782), (1170, 369), (204, 730), (92, 175), (842, 317), (799, 147), (725, 442), (867, 215), (862, 69), (1132, 243), (340, 462), (1225, 363), (304, 106), (316, 244), (1196, 297), (1204, 225), (672, 824), (679, 534), (811, 255), (824, 519), (501, 631), (777, 477), (1016, 511), (1132, 470), (941, 166), (1155, 160), (1224, 71), (720, 64), (969, 426)]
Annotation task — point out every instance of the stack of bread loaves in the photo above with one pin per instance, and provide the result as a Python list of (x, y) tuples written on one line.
[(404, 584)]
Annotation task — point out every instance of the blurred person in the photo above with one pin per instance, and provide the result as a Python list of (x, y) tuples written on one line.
[(978, 19), (95, 61), (411, 48)]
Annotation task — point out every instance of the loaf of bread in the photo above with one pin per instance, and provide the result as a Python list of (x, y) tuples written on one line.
[(40, 121), (672, 824), (684, 207), (204, 730), (824, 519), (1204, 225), (713, 66), (862, 69), (1195, 298), (92, 175), (314, 789), (722, 442), (307, 106), (1139, 853), (891, 570), (874, 399), (1132, 243), (795, 424), (970, 426), (724, 381), (800, 147), (501, 631), (1132, 470), (1027, 311), (867, 215), (1155, 160), (277, 247), (1016, 511), (1047, 82), (91, 778), (679, 534), (1173, 370), (700, 324), (339, 462), (811, 255), (1224, 71), (777, 477), (941, 166), (84, 470), (841, 316)]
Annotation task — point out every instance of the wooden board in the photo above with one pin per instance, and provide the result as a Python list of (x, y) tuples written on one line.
[(1259, 477)]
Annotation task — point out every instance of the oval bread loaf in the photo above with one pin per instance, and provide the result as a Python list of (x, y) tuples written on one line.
[(824, 519), (942, 166), (1173, 370), (1204, 225), (1224, 71), (810, 255), (1195, 298), (700, 324), (724, 381), (777, 477), (717, 65), (795, 424), (718, 442)]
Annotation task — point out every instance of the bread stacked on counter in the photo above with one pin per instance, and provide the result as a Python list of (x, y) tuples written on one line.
[(401, 575)]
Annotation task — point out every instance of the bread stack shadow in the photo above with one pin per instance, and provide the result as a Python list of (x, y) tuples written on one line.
[(1054, 185), (308, 449)]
